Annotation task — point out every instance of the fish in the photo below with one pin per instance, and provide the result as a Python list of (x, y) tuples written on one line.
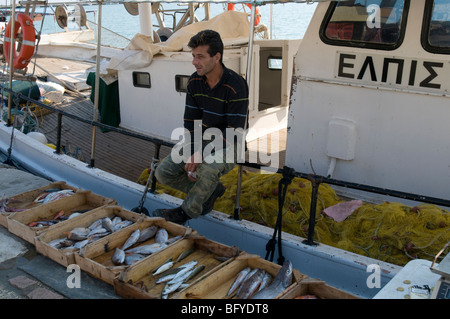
[(81, 243), (166, 266), (122, 224), (186, 269), (173, 239), (162, 236), (165, 278), (267, 279), (185, 253), (251, 285), (74, 215), (146, 249), (132, 239), (147, 233), (194, 273), (56, 243), (238, 281), (181, 277), (133, 258), (107, 223), (78, 233), (57, 195), (279, 284), (247, 277), (96, 224), (116, 220), (119, 257), (98, 230)]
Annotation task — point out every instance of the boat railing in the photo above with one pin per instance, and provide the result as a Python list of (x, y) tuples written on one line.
[(287, 173)]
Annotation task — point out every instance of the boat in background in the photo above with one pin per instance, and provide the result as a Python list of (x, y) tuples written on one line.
[(363, 98)]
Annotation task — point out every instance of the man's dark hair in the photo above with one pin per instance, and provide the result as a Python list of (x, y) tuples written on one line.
[(211, 39)]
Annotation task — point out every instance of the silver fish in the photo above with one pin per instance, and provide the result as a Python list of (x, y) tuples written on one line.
[(146, 249), (166, 278), (107, 223), (96, 224), (238, 281), (132, 239), (116, 220), (254, 270), (119, 257), (57, 195), (186, 268), (122, 224), (194, 272), (251, 285), (56, 243), (279, 284), (98, 230), (133, 258), (81, 244), (162, 236), (173, 239), (185, 253), (267, 279), (78, 233), (181, 277), (147, 233), (163, 268)]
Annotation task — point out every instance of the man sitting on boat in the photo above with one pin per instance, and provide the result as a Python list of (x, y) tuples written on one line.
[(216, 105)]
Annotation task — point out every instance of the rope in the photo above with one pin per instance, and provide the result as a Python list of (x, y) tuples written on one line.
[(282, 186)]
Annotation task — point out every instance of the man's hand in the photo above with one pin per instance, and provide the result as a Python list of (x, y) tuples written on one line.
[(191, 166)]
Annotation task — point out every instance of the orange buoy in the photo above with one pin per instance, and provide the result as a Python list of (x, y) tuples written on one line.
[(21, 59), (232, 6)]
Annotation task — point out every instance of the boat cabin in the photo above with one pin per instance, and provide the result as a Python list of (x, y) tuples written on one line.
[(370, 95)]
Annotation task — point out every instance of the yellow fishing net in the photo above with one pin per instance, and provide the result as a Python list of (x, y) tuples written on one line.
[(390, 231)]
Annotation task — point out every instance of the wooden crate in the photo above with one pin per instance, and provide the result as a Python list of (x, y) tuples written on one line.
[(217, 285), (315, 289), (26, 201), (137, 281), (96, 258), (80, 201), (60, 230)]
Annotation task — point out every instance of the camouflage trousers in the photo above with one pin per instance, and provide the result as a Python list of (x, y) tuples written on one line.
[(173, 174)]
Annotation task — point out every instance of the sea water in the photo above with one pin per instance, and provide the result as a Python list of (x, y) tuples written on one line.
[(284, 21)]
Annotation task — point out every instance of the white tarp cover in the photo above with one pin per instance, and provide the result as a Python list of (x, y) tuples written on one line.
[(232, 25)]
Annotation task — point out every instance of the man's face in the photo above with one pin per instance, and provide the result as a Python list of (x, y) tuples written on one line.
[(201, 60)]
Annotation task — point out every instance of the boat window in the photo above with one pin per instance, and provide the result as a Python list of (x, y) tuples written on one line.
[(436, 26), (141, 79), (181, 82), (378, 24), (274, 63)]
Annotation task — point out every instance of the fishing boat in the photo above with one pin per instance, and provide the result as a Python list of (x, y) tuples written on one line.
[(362, 99)]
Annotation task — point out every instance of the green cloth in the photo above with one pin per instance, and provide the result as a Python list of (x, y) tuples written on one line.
[(108, 101)]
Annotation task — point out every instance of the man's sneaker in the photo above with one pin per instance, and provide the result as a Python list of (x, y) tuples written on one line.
[(209, 204), (175, 215)]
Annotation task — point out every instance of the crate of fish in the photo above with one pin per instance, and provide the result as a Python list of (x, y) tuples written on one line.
[(33, 198), (62, 241), (248, 276), (175, 268), (28, 224), (107, 257), (311, 288)]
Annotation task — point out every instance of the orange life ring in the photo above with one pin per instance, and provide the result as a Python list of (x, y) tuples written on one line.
[(21, 60), (232, 6)]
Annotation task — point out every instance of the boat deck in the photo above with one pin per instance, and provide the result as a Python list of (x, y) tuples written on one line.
[(116, 153)]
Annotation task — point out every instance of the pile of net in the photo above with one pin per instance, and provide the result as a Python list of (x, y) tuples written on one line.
[(390, 231)]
